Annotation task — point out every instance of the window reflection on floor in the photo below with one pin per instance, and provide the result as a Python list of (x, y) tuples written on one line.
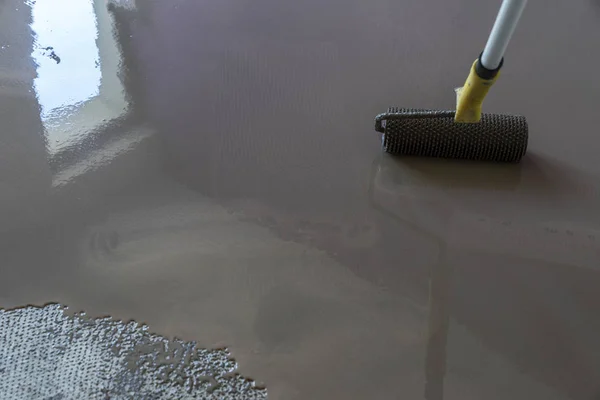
[(77, 58)]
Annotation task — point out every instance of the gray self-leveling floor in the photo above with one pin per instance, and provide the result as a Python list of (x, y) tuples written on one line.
[(207, 172)]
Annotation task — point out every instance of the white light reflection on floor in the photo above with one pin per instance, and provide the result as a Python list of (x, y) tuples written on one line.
[(77, 57)]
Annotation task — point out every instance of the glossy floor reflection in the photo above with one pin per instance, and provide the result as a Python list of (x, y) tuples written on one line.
[(227, 187)]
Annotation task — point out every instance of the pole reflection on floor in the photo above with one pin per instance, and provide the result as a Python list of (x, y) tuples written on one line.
[(438, 324)]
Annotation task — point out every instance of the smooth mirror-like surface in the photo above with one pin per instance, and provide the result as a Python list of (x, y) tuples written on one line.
[(210, 168)]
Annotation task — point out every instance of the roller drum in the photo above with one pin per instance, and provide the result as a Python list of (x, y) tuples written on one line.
[(428, 133)]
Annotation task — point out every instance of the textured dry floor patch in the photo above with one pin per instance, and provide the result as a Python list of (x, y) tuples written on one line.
[(47, 354)]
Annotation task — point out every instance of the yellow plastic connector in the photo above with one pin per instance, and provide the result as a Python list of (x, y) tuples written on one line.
[(469, 98)]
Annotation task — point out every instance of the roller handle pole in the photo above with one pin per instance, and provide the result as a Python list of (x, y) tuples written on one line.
[(503, 29)]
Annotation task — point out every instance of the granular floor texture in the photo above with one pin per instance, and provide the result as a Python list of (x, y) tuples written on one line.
[(47, 354)]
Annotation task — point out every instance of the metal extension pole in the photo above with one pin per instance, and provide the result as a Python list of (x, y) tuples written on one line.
[(503, 29)]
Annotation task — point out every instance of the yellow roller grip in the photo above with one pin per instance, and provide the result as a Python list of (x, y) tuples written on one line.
[(469, 98)]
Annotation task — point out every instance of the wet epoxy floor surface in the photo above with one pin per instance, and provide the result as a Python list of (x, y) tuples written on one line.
[(210, 168)]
